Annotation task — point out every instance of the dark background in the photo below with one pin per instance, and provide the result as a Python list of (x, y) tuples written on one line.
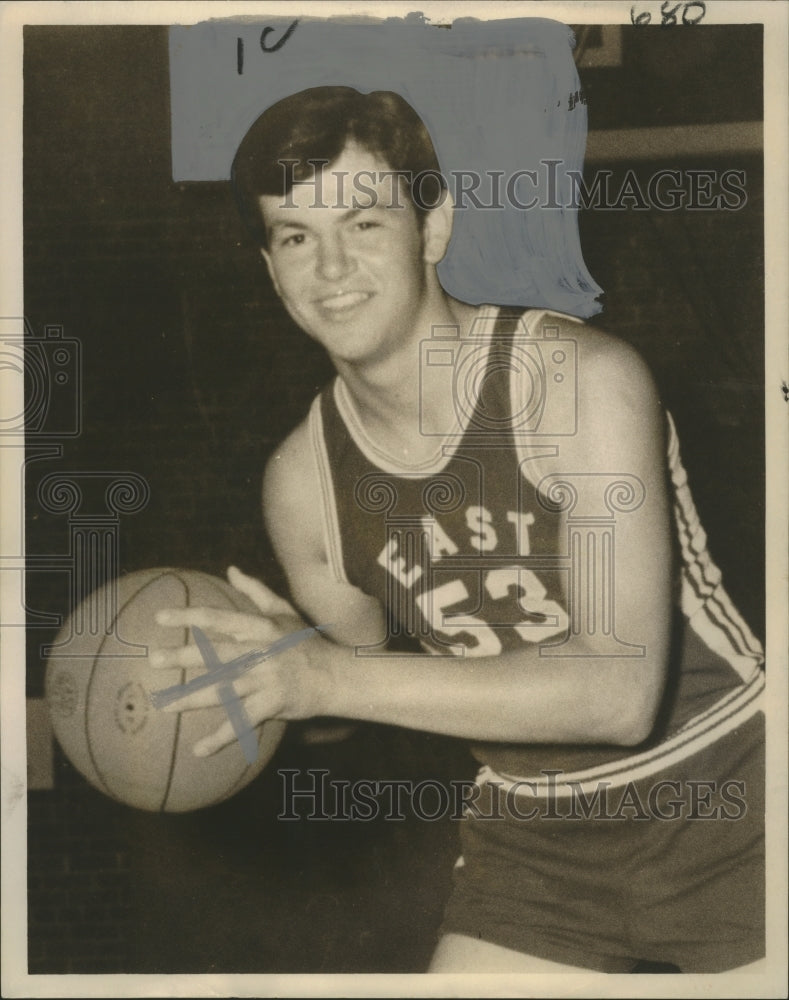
[(192, 372)]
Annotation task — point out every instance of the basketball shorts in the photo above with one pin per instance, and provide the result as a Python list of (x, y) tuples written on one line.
[(667, 869)]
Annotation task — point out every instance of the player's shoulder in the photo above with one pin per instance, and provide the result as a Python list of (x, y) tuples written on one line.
[(605, 363), (607, 395)]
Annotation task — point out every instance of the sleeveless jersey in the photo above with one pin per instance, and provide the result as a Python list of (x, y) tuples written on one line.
[(467, 551)]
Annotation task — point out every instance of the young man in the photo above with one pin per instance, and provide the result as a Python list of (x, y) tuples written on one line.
[(503, 485)]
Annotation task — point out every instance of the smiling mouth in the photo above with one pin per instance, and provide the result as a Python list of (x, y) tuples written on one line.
[(343, 301)]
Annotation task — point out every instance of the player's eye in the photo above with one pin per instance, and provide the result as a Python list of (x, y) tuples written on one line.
[(366, 224), (295, 240)]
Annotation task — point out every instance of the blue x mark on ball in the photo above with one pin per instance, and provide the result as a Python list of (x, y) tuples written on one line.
[(223, 675)]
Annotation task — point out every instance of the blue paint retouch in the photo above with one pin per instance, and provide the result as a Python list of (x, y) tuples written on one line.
[(223, 675), (495, 95)]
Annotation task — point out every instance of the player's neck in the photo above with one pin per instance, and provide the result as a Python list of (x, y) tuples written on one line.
[(396, 406)]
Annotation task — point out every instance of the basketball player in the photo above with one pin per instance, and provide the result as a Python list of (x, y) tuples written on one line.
[(525, 535)]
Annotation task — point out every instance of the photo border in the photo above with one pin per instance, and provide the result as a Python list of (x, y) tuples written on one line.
[(16, 981)]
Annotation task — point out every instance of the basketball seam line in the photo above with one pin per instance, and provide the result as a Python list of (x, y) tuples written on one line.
[(176, 735), (119, 612)]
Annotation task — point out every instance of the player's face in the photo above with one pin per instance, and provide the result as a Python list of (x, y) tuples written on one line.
[(349, 259)]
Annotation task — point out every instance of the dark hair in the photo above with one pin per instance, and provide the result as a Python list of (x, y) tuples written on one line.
[(317, 124)]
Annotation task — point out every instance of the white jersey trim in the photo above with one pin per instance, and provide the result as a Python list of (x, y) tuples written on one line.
[(445, 449), (726, 715), (529, 457), (703, 599)]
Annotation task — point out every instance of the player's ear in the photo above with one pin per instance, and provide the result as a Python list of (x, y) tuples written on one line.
[(267, 258), (437, 230)]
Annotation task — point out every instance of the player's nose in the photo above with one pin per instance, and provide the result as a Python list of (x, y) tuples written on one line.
[(334, 261)]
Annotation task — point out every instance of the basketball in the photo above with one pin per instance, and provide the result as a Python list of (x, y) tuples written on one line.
[(98, 685)]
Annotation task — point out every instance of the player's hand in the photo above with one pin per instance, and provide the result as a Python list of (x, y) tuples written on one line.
[(289, 684)]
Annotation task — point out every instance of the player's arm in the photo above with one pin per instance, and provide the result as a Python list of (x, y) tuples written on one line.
[(293, 515), (520, 696)]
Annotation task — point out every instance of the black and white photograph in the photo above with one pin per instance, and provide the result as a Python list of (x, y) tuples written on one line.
[(394, 541)]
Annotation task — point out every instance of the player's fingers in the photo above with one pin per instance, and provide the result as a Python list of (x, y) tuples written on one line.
[(216, 741), (178, 699), (204, 618), (236, 624), (183, 657), (188, 696), (225, 622), (241, 658), (244, 715), (265, 598)]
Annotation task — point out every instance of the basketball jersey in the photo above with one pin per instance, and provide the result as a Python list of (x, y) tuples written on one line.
[(470, 552)]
